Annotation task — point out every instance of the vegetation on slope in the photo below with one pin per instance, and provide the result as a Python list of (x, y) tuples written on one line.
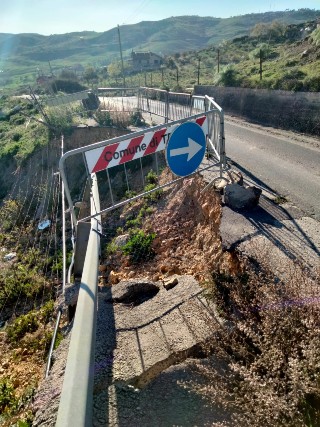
[(19, 135)]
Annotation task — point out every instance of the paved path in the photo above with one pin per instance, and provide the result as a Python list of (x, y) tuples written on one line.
[(140, 346)]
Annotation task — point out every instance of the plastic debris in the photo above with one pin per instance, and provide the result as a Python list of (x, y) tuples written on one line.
[(10, 256), (44, 224)]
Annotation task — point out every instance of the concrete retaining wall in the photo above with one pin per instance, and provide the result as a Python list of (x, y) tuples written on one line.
[(298, 111)]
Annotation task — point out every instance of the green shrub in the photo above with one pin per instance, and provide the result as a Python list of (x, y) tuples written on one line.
[(8, 400), (66, 85), (20, 281), (9, 213), (111, 248), (103, 118), (30, 322), (139, 246), (312, 84), (262, 49), (152, 197), (152, 177), (136, 119), (129, 194), (133, 223), (229, 77), (22, 325)]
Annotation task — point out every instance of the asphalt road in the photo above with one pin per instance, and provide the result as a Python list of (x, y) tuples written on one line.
[(283, 162)]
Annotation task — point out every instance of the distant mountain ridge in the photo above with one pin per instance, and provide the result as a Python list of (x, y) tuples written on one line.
[(21, 53)]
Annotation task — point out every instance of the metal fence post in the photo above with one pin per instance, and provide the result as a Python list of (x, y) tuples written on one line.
[(167, 107)]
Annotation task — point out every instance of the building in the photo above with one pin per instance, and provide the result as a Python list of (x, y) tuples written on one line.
[(145, 61)]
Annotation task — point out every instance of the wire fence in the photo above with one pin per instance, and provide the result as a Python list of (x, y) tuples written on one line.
[(30, 241)]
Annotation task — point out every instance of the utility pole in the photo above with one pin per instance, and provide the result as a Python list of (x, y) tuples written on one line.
[(122, 67), (199, 71), (39, 106), (260, 70), (218, 59), (51, 71), (162, 78), (177, 77)]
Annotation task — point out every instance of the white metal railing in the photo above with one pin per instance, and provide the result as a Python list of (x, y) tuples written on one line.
[(174, 106)]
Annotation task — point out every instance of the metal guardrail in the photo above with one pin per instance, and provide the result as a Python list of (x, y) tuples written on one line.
[(76, 402)]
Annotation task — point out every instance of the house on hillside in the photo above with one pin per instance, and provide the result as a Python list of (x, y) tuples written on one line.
[(44, 80), (145, 61)]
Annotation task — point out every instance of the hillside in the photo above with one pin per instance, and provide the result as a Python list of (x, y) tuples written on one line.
[(273, 56), (23, 55)]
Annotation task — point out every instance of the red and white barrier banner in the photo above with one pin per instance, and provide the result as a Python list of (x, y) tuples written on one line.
[(126, 150)]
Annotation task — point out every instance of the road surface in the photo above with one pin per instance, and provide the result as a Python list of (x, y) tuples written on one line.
[(286, 162)]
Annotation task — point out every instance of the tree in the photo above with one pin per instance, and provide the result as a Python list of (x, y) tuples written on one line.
[(271, 31), (68, 75), (229, 77), (114, 69), (90, 74)]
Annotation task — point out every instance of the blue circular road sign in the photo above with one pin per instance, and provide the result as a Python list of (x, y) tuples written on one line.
[(185, 149)]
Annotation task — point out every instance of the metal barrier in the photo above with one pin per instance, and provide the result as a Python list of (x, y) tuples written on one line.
[(216, 136), (98, 152), (76, 400), (77, 394), (174, 106), (117, 91)]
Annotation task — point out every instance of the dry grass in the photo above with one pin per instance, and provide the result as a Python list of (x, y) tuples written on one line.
[(270, 350)]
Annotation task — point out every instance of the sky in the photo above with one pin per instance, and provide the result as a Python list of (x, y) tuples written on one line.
[(65, 16)]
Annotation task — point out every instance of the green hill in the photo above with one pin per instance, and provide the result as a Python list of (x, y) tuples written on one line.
[(22, 56)]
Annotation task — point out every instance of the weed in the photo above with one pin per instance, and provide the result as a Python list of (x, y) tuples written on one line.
[(129, 194), (155, 195), (151, 177), (139, 246), (8, 400), (271, 352), (279, 200), (133, 223), (136, 119), (103, 118), (29, 322), (22, 325), (111, 248)]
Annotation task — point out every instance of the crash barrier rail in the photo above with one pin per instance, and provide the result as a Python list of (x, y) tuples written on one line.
[(76, 402), (107, 163)]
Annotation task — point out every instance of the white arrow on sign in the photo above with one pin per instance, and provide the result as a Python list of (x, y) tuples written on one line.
[(192, 149)]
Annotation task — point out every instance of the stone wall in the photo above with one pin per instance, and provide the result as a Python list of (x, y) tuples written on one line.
[(298, 111)]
